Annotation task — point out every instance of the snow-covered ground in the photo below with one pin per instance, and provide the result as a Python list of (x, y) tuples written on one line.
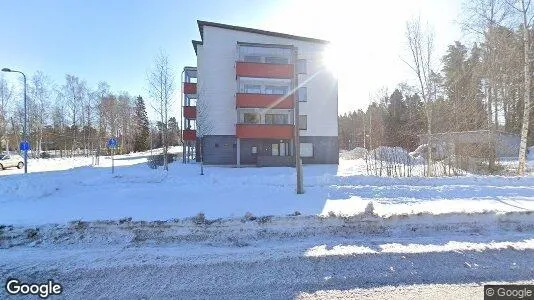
[(91, 193)]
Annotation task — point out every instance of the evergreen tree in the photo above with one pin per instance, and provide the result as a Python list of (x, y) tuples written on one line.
[(141, 126), (174, 131)]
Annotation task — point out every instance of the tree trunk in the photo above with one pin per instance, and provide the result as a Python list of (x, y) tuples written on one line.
[(526, 111)]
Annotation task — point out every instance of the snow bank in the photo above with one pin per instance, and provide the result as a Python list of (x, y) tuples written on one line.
[(244, 231)]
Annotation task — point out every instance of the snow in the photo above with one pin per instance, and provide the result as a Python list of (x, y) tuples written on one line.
[(276, 258), (59, 191)]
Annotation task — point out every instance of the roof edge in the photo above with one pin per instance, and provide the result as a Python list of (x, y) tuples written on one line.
[(201, 24), (195, 44)]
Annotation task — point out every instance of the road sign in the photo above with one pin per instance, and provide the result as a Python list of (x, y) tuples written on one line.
[(24, 146), (112, 143)]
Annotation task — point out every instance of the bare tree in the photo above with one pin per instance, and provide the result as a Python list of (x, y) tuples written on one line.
[(74, 92), (6, 92), (40, 93), (204, 126), (161, 89), (421, 46)]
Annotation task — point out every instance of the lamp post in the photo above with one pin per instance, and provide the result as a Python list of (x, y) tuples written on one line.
[(24, 132)]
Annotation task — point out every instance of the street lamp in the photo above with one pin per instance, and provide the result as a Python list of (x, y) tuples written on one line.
[(24, 132)]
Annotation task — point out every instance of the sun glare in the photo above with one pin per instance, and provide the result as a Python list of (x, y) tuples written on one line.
[(331, 59)]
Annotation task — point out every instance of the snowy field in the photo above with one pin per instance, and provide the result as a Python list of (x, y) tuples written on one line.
[(63, 190)]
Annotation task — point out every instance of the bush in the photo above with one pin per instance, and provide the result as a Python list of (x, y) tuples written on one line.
[(156, 161), (249, 217), (45, 155), (200, 218)]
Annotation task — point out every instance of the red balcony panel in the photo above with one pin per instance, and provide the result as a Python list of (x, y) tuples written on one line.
[(190, 135), (264, 131), (264, 101), (190, 88), (190, 112), (248, 69)]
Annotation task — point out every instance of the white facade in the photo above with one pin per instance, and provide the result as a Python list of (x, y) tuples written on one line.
[(217, 84)]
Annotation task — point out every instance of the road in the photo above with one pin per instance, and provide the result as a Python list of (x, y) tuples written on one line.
[(271, 269)]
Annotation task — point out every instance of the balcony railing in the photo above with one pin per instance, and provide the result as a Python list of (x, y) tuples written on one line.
[(190, 88), (189, 135), (190, 112), (263, 70), (245, 100), (264, 131)]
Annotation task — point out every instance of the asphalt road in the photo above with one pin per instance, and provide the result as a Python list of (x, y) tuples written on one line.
[(255, 272)]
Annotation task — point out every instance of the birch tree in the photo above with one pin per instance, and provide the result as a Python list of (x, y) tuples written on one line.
[(204, 126), (525, 11), (421, 46), (40, 93), (161, 89), (74, 92)]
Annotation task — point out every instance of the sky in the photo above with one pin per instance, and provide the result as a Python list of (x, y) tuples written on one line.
[(117, 41)]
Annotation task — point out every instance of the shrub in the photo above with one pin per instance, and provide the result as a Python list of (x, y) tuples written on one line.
[(156, 161), (249, 217), (31, 233), (199, 219)]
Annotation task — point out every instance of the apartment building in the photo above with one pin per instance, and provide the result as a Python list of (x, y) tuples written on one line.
[(239, 101)]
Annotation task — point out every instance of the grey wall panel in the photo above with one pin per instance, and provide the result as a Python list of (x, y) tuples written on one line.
[(219, 149), (325, 149)]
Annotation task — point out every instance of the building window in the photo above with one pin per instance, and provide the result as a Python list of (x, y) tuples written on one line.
[(251, 118), (306, 150), (303, 122), (277, 60), (302, 94), (276, 119), (301, 66), (276, 90), (252, 58), (252, 88)]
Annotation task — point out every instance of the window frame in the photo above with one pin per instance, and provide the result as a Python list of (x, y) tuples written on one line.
[(312, 150), (251, 113), (306, 122)]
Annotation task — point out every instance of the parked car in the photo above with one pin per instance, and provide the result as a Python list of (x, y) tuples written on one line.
[(11, 160)]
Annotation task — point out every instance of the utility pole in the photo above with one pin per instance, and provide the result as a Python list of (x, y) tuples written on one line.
[(298, 161)]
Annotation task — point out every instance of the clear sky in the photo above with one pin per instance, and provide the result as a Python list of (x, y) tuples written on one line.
[(116, 41)]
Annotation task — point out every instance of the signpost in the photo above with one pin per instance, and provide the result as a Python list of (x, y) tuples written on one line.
[(25, 146), (112, 144)]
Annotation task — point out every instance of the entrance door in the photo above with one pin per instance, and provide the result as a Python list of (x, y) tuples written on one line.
[(275, 150)]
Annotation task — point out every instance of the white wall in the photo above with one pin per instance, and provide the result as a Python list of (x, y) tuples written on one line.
[(217, 80)]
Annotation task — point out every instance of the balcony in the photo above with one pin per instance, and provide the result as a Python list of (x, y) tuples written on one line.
[(190, 88), (244, 100), (189, 135), (263, 70), (190, 112), (264, 131)]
